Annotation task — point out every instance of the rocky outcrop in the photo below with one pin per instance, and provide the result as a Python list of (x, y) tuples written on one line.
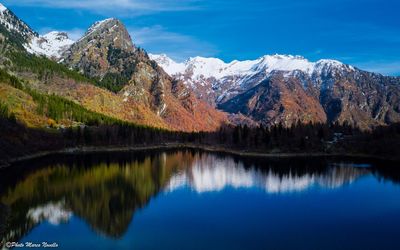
[(106, 48), (277, 100)]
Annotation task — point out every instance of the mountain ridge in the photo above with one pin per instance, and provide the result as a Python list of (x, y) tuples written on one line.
[(344, 93)]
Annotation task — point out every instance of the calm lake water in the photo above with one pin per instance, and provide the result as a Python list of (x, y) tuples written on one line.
[(194, 200)]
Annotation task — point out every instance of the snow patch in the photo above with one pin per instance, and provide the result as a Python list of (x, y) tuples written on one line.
[(52, 44), (169, 65)]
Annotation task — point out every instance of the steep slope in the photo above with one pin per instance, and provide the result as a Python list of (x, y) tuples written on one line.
[(15, 25), (361, 98), (277, 100), (344, 93), (14, 29), (106, 52), (105, 49), (51, 45)]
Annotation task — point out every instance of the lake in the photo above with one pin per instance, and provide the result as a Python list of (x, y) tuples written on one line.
[(190, 199)]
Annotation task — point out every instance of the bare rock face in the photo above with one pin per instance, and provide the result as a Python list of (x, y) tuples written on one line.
[(277, 100), (106, 48), (362, 99)]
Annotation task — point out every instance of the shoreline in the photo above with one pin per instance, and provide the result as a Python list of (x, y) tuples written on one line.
[(113, 149)]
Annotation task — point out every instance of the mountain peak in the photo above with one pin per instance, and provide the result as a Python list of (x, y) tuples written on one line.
[(57, 35), (105, 45), (285, 56), (99, 24), (108, 32), (324, 66), (205, 59), (284, 63), (330, 62)]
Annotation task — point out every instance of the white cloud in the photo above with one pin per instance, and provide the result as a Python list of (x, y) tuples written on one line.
[(122, 7)]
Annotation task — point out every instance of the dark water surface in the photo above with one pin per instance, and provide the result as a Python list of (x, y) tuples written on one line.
[(194, 200)]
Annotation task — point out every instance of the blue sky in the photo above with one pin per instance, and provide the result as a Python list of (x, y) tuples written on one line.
[(364, 33)]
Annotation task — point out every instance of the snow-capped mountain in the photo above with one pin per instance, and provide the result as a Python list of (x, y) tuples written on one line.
[(201, 67), (229, 79), (51, 45), (287, 89)]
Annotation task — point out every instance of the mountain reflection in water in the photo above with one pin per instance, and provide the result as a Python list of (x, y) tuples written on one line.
[(106, 190), (209, 173)]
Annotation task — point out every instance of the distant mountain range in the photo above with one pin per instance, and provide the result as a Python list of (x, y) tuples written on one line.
[(286, 89), (155, 90)]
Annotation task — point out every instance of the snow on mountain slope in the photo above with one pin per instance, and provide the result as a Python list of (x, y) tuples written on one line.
[(55, 43), (169, 65), (51, 45), (15, 25), (200, 67), (213, 79)]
